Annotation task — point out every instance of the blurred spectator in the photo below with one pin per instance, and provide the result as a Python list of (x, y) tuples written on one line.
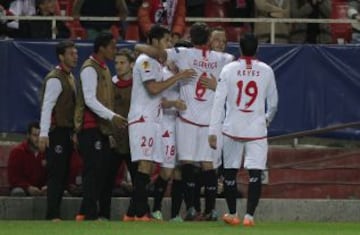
[(272, 9), (42, 29), (26, 166), (133, 6), (109, 8), (353, 13), (2, 21), (5, 3), (310, 33), (195, 8), (170, 13), (21, 8), (216, 9), (241, 9)]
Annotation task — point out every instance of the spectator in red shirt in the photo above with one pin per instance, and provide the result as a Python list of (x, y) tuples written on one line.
[(170, 13), (26, 166)]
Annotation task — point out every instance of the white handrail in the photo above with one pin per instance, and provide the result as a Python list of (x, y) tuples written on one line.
[(271, 21), (190, 19)]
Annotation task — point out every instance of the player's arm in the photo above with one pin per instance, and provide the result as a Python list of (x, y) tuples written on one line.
[(154, 87), (52, 91), (271, 99), (217, 112), (89, 84), (209, 82), (178, 104), (151, 51)]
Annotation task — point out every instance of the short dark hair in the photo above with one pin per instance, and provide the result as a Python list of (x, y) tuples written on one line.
[(183, 43), (62, 46), (32, 125), (103, 40), (199, 33), (129, 54), (248, 44), (157, 32)]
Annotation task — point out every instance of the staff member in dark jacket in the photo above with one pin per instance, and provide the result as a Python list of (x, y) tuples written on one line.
[(57, 124), (94, 120)]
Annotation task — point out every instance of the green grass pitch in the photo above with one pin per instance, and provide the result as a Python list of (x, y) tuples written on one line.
[(8, 227)]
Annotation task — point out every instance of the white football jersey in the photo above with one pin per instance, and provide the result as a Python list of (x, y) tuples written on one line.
[(143, 105), (172, 93), (244, 87), (198, 99)]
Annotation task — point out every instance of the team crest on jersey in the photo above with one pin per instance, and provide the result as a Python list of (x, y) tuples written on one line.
[(97, 145), (146, 66), (58, 149)]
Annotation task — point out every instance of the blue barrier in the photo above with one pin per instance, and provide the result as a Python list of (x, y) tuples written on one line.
[(319, 85)]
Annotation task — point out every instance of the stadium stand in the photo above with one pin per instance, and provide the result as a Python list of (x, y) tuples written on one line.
[(293, 173), (216, 10)]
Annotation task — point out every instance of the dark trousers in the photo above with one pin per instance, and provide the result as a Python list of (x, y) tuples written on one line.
[(58, 160), (110, 174), (98, 162)]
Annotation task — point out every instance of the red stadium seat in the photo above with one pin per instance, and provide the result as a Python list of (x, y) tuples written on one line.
[(4, 184), (132, 32), (115, 31), (340, 31), (76, 30), (4, 156)]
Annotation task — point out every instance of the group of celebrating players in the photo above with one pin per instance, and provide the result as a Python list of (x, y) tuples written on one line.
[(192, 108)]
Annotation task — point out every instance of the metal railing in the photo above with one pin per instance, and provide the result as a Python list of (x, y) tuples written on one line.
[(271, 21)]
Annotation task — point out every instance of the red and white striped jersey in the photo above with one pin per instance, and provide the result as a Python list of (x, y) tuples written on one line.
[(245, 87), (143, 105), (198, 99)]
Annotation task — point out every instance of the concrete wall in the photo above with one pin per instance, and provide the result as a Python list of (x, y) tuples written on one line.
[(29, 208)]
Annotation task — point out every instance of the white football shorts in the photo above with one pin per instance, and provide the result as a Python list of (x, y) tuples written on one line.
[(193, 145), (254, 153), (145, 142)]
